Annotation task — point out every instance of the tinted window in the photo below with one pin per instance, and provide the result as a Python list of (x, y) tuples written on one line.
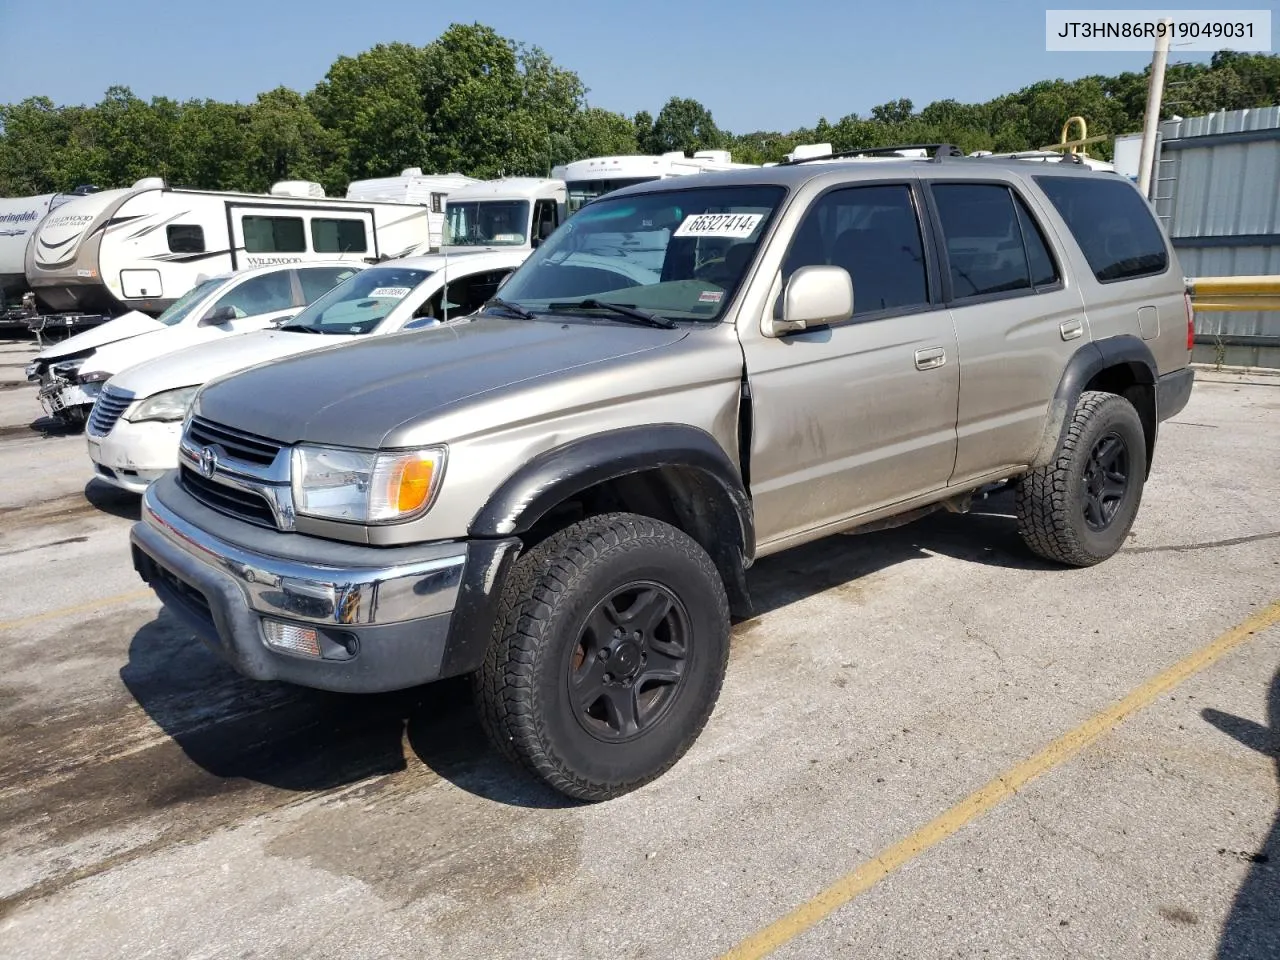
[(338, 236), (264, 294), (317, 281), (1112, 223), (983, 239), (274, 235), (872, 232), (185, 238), (1044, 272)]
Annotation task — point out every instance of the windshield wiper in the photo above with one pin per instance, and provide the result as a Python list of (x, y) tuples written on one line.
[(300, 327), (512, 308), (651, 319)]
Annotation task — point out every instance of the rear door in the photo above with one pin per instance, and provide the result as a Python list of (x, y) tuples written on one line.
[(861, 414), (1018, 318)]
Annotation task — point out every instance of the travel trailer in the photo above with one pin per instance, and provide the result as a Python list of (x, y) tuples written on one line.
[(19, 218), (413, 186), (142, 247), (516, 212), (596, 176)]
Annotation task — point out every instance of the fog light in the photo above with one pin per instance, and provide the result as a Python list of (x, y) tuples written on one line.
[(291, 638)]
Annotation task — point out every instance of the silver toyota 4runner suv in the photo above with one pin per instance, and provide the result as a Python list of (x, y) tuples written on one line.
[(560, 495)]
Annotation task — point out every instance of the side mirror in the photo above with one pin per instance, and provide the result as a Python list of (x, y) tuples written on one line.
[(534, 241), (223, 314), (813, 296)]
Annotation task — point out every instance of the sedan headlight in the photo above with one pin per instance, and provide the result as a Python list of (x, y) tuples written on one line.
[(361, 486), (167, 407)]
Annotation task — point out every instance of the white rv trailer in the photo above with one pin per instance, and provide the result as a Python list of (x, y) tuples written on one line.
[(142, 247), (19, 218), (596, 176), (508, 214), (413, 186)]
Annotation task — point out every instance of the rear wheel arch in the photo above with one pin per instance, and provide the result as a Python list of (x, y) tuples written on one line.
[(1122, 365)]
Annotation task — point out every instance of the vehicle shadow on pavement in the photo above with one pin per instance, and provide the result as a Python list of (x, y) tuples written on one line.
[(301, 740), (112, 500), (1252, 929)]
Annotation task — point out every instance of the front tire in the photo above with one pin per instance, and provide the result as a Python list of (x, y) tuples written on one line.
[(1078, 509), (607, 657)]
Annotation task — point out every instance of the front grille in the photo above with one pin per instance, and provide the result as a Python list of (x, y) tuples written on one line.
[(111, 403), (245, 447), (241, 504)]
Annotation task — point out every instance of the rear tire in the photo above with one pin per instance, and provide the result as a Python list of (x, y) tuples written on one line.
[(607, 656), (1078, 509)]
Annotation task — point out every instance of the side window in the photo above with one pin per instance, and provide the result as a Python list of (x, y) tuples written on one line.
[(465, 295), (317, 281), (274, 235), (983, 239), (263, 294), (338, 236), (185, 238), (544, 219), (1112, 223), (874, 233), (437, 202), (1044, 272)]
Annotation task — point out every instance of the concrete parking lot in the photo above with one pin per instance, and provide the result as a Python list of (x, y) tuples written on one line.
[(929, 744)]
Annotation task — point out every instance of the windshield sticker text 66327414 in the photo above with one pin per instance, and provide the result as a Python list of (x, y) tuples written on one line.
[(737, 225)]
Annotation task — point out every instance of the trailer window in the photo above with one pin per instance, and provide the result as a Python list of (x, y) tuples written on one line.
[(338, 236), (274, 235), (185, 238)]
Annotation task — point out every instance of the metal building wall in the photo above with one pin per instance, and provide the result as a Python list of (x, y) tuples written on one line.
[(1217, 192)]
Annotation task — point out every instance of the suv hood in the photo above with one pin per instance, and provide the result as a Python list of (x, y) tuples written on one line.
[(123, 327), (202, 362), (356, 394)]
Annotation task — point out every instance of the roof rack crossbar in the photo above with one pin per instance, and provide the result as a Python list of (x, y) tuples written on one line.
[(937, 151)]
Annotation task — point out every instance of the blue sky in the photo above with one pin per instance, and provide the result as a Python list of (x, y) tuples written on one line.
[(756, 64)]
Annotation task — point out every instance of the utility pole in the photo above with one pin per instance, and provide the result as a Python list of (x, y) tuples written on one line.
[(1151, 123)]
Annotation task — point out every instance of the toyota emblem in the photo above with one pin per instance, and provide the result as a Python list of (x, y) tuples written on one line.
[(208, 463)]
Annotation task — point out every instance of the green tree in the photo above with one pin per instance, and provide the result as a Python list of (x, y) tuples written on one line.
[(685, 125)]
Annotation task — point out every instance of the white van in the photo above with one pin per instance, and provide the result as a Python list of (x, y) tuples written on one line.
[(71, 372), (134, 429)]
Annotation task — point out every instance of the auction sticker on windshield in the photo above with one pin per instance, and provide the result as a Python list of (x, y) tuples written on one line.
[(736, 225), (390, 293)]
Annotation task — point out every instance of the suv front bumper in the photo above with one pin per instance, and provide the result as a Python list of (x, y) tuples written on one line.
[(378, 625)]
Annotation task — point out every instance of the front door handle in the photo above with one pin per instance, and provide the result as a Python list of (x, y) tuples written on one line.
[(930, 357), (1071, 329)]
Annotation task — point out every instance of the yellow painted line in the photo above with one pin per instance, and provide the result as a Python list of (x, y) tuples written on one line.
[(77, 608), (808, 914)]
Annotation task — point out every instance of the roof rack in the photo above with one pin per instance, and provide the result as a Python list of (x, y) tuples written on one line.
[(938, 152)]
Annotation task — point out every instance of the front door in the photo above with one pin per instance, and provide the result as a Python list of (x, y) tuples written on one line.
[(861, 414)]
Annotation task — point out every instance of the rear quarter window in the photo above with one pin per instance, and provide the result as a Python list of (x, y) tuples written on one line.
[(1112, 223)]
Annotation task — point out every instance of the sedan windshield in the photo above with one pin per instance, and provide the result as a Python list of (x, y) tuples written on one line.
[(178, 310), (677, 254), (359, 303)]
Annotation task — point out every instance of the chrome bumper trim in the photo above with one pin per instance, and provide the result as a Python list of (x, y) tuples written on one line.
[(317, 594)]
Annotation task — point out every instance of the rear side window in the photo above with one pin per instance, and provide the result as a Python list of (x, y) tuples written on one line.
[(274, 235), (1112, 223), (993, 243), (872, 232), (185, 238), (338, 236)]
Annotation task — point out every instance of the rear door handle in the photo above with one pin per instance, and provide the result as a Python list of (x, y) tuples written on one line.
[(930, 357), (1071, 329)]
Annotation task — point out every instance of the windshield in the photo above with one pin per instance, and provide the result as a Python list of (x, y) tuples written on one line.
[(678, 254), (178, 310), (582, 192), (488, 223), (359, 303)]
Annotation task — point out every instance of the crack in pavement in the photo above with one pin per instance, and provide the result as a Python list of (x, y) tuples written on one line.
[(1206, 545)]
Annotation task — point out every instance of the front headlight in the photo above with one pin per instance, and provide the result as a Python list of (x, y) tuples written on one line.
[(365, 487), (94, 376), (167, 407)]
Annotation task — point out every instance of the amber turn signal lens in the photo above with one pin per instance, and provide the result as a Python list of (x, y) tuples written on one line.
[(410, 484)]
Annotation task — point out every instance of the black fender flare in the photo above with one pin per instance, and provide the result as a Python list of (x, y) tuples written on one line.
[(1086, 363), (559, 474)]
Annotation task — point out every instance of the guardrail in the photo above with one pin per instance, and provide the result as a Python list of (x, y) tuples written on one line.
[(1211, 294)]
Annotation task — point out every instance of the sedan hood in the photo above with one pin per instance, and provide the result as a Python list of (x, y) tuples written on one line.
[(123, 327), (204, 362), (358, 393)]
